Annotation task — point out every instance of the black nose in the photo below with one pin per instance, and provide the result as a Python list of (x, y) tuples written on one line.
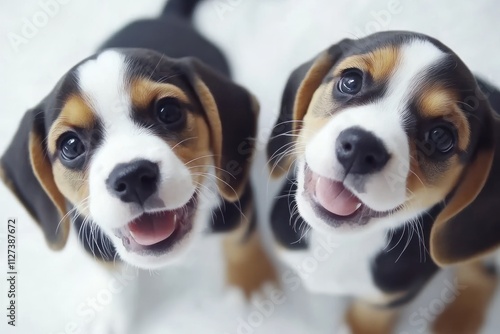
[(134, 182), (360, 152)]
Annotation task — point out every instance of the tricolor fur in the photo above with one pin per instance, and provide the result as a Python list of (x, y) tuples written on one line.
[(144, 146), (397, 163)]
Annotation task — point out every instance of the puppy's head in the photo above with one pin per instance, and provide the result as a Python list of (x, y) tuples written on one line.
[(137, 144), (382, 129)]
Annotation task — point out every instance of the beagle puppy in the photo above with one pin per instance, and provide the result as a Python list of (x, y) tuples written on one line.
[(395, 148), (144, 147)]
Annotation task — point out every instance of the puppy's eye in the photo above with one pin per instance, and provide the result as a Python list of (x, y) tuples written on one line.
[(71, 147), (170, 112), (351, 82), (442, 137)]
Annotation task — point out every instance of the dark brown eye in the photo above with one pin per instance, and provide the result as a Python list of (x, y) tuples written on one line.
[(351, 82), (442, 138), (71, 147), (169, 112)]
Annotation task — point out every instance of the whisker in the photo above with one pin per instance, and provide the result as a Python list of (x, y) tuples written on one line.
[(183, 141)]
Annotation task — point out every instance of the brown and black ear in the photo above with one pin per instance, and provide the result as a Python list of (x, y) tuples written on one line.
[(469, 225), (297, 96), (232, 114), (27, 172)]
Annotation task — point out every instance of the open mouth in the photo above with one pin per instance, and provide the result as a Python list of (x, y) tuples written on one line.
[(334, 203), (155, 233)]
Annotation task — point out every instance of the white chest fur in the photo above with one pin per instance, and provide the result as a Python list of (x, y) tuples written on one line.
[(338, 265)]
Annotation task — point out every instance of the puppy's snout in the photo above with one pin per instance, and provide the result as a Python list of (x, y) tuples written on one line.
[(134, 182), (360, 151)]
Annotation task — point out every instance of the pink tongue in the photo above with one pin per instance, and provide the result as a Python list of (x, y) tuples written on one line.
[(334, 197), (150, 229)]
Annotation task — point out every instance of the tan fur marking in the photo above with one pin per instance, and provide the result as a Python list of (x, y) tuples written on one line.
[(311, 127), (43, 172), (309, 85), (212, 111), (77, 112), (363, 318), (303, 102), (194, 148), (424, 193), (73, 185), (74, 114), (247, 264), (425, 184), (143, 92), (379, 63), (322, 104), (436, 101), (360, 62), (314, 120), (416, 178), (466, 314)]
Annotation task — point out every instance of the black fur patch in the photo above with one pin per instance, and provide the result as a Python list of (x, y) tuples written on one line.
[(228, 216), (94, 241), (284, 224), (405, 264)]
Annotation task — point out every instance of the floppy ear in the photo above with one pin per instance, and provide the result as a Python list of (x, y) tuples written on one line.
[(295, 101), (469, 225), (232, 114), (27, 172)]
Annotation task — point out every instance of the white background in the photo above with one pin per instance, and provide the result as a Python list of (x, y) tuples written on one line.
[(264, 40)]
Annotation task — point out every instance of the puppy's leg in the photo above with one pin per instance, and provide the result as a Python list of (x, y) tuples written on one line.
[(363, 318), (476, 285), (247, 264)]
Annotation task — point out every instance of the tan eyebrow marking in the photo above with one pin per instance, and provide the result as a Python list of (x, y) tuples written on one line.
[(143, 91), (379, 63), (437, 101), (75, 113)]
